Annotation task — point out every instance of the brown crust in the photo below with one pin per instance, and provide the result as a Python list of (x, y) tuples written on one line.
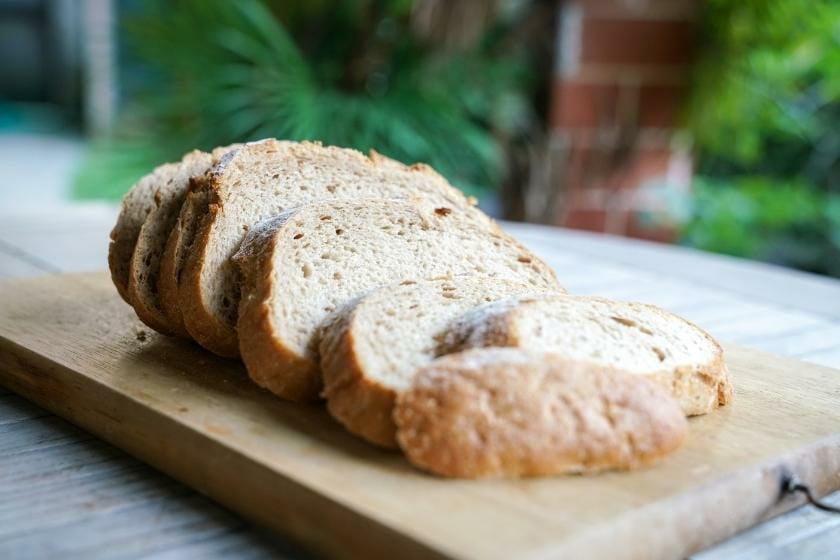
[(168, 281), (152, 317), (699, 390), (178, 244), (117, 262), (506, 412), (269, 362), (199, 320), (362, 405)]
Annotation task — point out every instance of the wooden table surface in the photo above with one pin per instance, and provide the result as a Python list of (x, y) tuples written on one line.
[(65, 494)]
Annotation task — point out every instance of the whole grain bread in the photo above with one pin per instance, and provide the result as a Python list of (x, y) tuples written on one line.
[(372, 348), (309, 262), (177, 248), (137, 204), (635, 337), (496, 412), (261, 180), (144, 268)]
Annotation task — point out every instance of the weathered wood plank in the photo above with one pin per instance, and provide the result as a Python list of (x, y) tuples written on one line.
[(829, 357), (14, 264), (808, 534), (15, 409), (810, 339)]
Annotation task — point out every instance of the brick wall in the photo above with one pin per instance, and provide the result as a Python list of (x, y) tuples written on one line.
[(620, 82)]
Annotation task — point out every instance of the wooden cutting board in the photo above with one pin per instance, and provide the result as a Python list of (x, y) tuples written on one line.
[(71, 345)]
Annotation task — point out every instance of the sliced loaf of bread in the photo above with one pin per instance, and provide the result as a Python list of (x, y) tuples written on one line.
[(635, 337), (261, 180), (307, 263), (144, 268), (495, 412), (141, 200), (372, 348)]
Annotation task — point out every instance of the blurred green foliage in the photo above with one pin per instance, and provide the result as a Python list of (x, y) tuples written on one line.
[(772, 220), (352, 73), (766, 120)]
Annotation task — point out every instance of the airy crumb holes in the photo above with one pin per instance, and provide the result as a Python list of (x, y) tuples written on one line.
[(659, 353), (623, 321)]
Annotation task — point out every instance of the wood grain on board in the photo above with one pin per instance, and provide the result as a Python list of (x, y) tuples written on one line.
[(69, 344)]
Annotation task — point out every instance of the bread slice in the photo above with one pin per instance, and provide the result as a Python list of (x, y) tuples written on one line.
[(261, 180), (309, 262), (136, 206), (371, 350), (144, 267), (510, 412), (640, 338), (176, 250)]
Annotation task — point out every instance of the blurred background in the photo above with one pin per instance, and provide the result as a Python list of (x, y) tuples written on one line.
[(713, 123)]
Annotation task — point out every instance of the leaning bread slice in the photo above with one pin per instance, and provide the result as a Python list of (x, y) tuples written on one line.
[(144, 268), (137, 204), (176, 250), (509, 412), (261, 180), (370, 351), (640, 338), (309, 262)]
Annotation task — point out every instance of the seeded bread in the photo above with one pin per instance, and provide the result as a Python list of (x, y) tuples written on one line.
[(309, 262), (496, 412), (261, 180), (137, 204), (635, 337), (371, 350), (144, 268)]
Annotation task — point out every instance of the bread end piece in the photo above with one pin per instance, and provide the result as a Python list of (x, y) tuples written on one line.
[(505, 412)]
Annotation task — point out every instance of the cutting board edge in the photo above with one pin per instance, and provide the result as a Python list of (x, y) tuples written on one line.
[(748, 496)]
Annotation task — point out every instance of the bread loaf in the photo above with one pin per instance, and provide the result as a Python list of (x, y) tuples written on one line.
[(308, 263)]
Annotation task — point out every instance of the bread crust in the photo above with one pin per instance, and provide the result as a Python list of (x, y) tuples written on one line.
[(699, 390), (144, 268), (136, 205), (359, 403), (168, 279), (199, 320), (502, 412), (180, 241)]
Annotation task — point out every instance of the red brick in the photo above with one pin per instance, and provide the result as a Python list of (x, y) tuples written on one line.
[(590, 220), (576, 105), (642, 9), (661, 230), (629, 41), (660, 106)]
